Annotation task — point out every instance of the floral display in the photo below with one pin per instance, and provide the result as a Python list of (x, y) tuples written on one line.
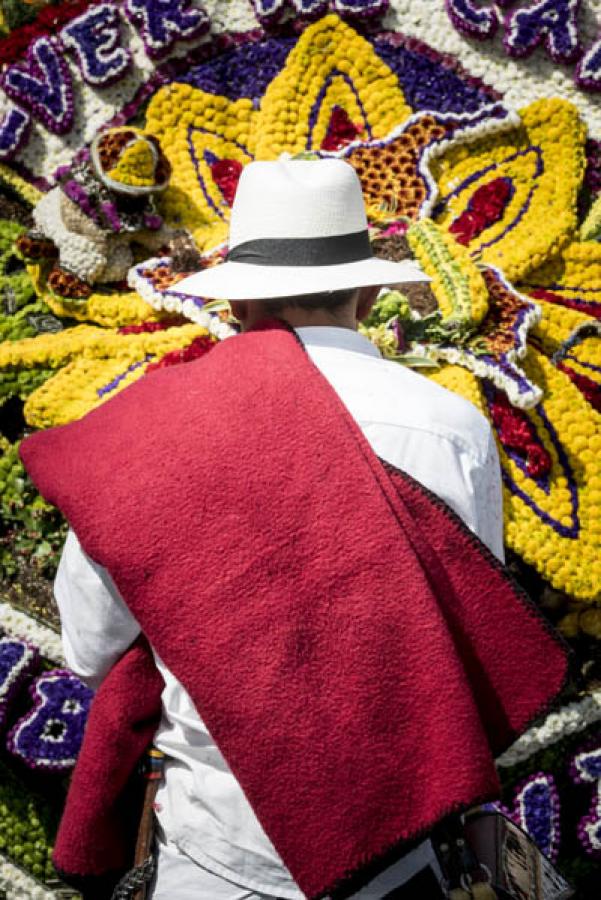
[(17, 660), (537, 811), (27, 825), (457, 283), (20, 626), (586, 769), (49, 737), (475, 131), (572, 719), (528, 157), (552, 24), (90, 364)]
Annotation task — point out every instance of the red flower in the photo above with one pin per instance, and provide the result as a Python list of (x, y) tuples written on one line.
[(226, 174), (589, 388), (467, 226), (341, 131), (195, 350), (48, 21), (517, 433), (486, 206)]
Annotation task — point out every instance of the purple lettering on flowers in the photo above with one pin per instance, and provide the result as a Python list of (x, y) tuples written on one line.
[(549, 22), (588, 70), (94, 37), (18, 660), (43, 84), (14, 128), (164, 22), (49, 737), (537, 811), (585, 768), (360, 8), (271, 11), (472, 20)]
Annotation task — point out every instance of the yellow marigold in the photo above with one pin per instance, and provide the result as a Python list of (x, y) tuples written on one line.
[(58, 348), (293, 95), (136, 165), (544, 160), (554, 529), (462, 382), (577, 267), (195, 127), (112, 309), (556, 325), (96, 365), (74, 391)]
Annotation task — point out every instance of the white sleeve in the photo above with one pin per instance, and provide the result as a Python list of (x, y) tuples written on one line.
[(488, 495), (97, 627)]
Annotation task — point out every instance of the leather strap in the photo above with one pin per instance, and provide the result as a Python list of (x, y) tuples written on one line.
[(153, 773)]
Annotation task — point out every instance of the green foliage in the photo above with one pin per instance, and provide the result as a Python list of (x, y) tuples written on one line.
[(386, 307), (22, 383), (17, 326), (34, 530), (17, 13), (27, 826), (429, 329), (20, 314), (16, 289)]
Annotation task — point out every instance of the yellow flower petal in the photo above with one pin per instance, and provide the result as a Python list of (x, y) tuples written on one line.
[(541, 217), (330, 64)]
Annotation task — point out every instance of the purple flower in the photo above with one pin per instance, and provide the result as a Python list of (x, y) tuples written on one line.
[(18, 660), (43, 84), (14, 129), (50, 736), (585, 768), (549, 22), (94, 37), (472, 20), (537, 812), (162, 23)]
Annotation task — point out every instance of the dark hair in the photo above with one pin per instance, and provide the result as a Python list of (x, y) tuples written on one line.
[(329, 300)]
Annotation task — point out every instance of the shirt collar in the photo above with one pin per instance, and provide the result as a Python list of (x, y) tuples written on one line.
[(337, 338)]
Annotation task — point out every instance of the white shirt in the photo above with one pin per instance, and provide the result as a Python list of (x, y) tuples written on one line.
[(438, 438)]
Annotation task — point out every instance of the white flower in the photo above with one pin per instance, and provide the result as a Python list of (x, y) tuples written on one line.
[(18, 885), (18, 624), (574, 718), (520, 81)]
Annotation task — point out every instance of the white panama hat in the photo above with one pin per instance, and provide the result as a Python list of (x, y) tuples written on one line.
[(297, 227)]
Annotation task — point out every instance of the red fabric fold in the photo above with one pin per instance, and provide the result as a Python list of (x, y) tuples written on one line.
[(355, 652)]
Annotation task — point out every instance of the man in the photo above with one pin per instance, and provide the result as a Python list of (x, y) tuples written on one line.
[(298, 252)]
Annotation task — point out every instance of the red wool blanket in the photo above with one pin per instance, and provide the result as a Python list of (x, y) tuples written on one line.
[(357, 654)]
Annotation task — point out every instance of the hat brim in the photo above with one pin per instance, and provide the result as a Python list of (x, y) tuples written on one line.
[(243, 281)]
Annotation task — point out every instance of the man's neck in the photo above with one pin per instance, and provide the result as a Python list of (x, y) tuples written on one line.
[(302, 318)]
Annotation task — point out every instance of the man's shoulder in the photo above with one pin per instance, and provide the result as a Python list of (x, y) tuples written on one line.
[(396, 395)]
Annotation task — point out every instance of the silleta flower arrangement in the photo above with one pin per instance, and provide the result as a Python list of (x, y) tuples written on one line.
[(467, 162)]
